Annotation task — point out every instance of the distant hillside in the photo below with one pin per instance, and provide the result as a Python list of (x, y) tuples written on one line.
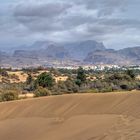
[(132, 54), (77, 53), (122, 57), (80, 50), (3, 56), (104, 57), (54, 51), (25, 54), (76, 50), (45, 52)]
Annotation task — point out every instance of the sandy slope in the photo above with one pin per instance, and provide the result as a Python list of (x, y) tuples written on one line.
[(72, 117)]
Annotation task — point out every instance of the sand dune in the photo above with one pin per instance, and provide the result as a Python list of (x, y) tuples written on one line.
[(107, 116)]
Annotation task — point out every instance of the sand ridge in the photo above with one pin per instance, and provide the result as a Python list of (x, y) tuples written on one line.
[(109, 116)]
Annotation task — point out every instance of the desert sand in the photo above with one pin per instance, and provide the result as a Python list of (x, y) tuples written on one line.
[(108, 116)]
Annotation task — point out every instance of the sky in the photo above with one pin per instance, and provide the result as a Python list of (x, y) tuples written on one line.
[(116, 23)]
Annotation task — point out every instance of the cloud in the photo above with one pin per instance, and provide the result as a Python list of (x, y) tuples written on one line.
[(48, 10), (41, 17), (66, 15), (104, 7), (75, 20)]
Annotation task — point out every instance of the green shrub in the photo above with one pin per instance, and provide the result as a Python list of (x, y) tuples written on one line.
[(29, 79), (71, 86), (81, 76), (127, 86), (0, 98), (9, 95), (107, 89), (131, 73), (42, 92), (63, 87), (45, 80), (92, 91)]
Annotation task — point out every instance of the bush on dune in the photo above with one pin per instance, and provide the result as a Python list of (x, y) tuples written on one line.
[(9, 95), (42, 92)]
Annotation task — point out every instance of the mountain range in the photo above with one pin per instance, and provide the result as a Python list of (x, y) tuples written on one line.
[(78, 53), (126, 56)]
